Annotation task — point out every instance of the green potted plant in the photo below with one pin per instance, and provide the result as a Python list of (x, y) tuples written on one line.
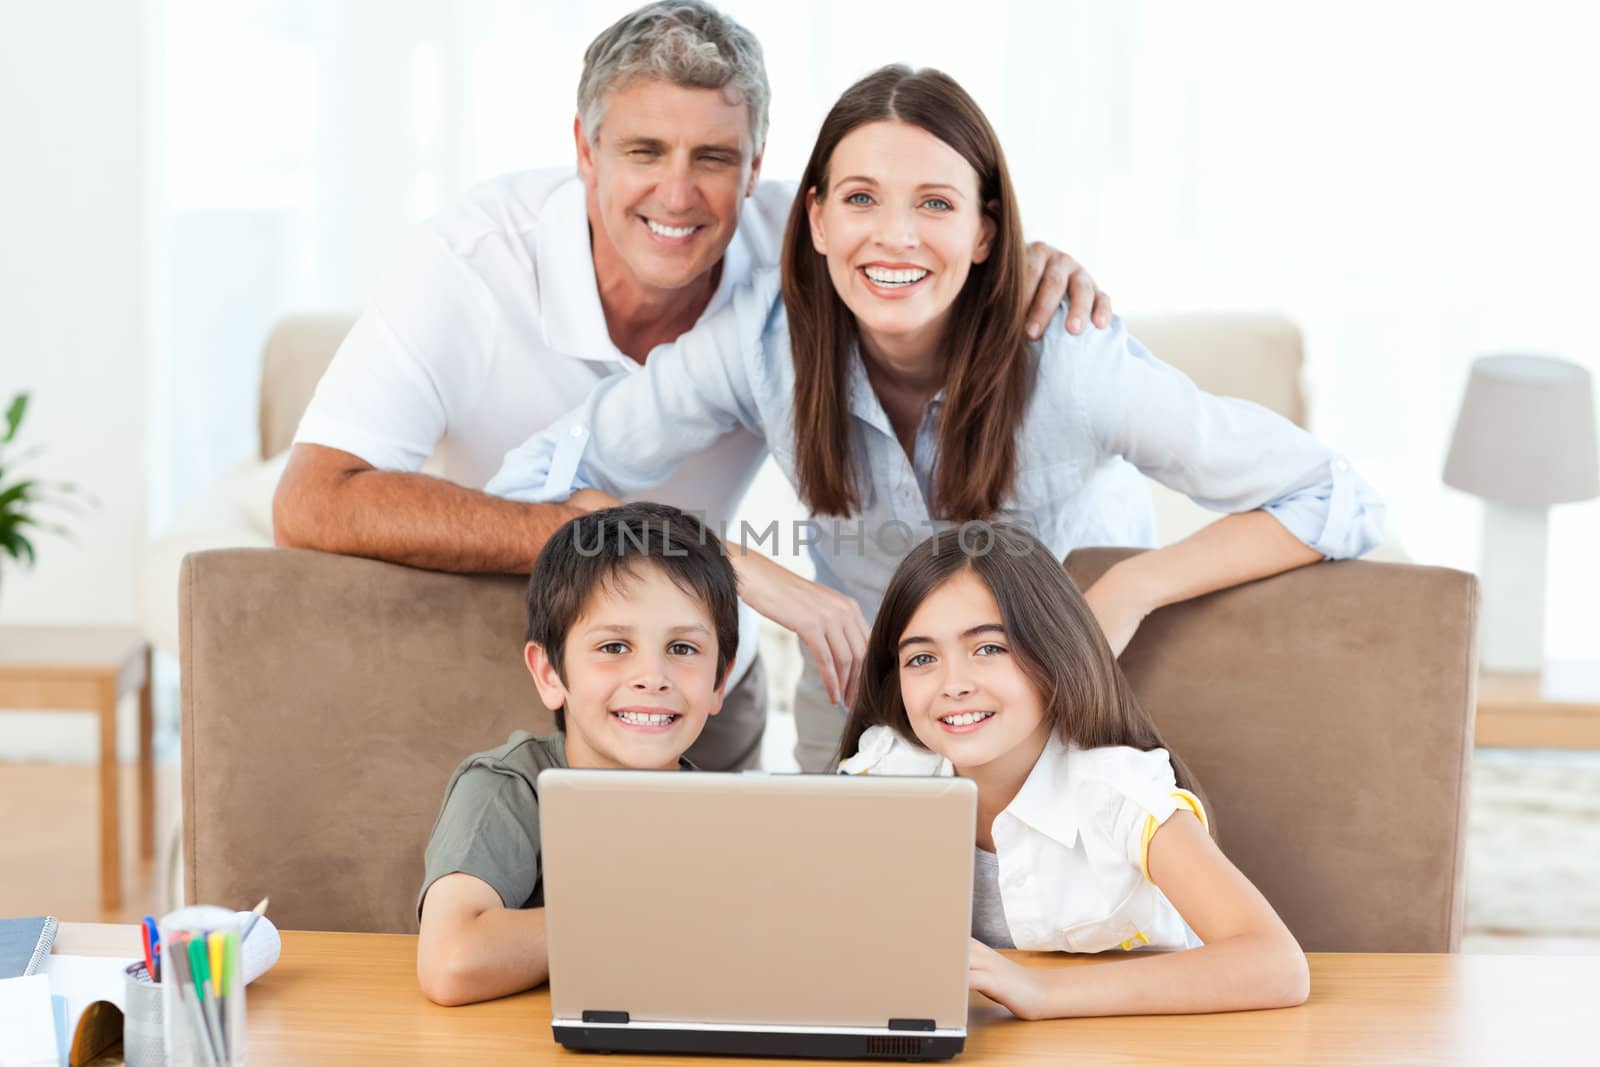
[(25, 502)]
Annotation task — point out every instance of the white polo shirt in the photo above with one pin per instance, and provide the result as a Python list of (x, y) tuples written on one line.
[(489, 327), (1073, 844)]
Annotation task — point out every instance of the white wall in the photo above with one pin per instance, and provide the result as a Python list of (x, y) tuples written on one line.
[(72, 299), (71, 289)]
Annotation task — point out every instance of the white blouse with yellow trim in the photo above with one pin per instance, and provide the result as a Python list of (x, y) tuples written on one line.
[(1073, 844)]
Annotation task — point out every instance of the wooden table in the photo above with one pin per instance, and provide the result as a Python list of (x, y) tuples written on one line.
[(352, 998), (1556, 708), (89, 668)]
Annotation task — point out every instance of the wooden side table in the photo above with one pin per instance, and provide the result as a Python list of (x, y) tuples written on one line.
[(89, 668), (1556, 708)]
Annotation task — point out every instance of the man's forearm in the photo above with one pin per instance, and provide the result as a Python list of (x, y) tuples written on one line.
[(413, 519)]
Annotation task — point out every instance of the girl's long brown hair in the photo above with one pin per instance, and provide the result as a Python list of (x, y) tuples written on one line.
[(1049, 628), (986, 350)]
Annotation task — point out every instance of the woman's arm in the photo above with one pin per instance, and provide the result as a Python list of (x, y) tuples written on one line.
[(1249, 959), (472, 947), (1292, 499), (634, 429), (1231, 551)]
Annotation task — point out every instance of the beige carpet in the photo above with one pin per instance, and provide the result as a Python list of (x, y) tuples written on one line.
[(1533, 843)]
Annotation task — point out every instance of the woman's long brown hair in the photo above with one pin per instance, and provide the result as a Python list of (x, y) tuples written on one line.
[(1049, 628), (986, 351)]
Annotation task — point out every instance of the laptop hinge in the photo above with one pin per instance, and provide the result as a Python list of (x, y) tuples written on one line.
[(612, 1017), (911, 1024)]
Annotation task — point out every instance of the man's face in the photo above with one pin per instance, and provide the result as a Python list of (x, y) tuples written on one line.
[(641, 673), (666, 177)]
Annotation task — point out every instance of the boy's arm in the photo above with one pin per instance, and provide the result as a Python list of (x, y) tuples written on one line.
[(472, 947), (1249, 959)]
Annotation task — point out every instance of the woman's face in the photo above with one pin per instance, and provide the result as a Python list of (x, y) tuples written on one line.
[(901, 226)]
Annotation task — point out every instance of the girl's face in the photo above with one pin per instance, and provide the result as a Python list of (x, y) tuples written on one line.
[(964, 690), (901, 226)]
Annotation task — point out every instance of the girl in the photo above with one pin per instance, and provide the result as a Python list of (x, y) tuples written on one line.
[(896, 388), (986, 662)]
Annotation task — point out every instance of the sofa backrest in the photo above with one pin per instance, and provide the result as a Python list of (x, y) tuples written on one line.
[(1257, 357), (1328, 715), (326, 699), (1326, 712), (297, 351)]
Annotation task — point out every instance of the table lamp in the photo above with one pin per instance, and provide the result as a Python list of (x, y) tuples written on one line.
[(1524, 440)]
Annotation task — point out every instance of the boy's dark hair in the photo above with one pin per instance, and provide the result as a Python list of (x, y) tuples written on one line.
[(608, 546)]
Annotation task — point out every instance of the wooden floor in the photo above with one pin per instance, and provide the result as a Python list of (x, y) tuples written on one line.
[(49, 826)]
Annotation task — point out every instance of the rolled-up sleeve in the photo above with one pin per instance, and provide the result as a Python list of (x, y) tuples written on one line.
[(1226, 454), (633, 429)]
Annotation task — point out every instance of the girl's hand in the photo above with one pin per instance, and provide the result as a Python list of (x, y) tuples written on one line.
[(1019, 988), (828, 623)]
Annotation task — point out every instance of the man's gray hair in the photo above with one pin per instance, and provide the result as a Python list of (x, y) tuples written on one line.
[(687, 43)]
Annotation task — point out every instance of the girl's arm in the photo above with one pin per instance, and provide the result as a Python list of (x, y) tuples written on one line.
[(1249, 959)]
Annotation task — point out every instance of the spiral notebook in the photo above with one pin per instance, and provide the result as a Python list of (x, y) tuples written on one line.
[(24, 944)]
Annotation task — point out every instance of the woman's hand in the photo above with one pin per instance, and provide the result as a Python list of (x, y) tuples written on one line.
[(1019, 988), (592, 500), (829, 624), (1119, 606)]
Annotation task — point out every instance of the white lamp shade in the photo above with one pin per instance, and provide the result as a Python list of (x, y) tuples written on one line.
[(1526, 432)]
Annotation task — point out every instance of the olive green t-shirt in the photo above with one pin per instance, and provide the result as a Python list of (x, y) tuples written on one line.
[(488, 826)]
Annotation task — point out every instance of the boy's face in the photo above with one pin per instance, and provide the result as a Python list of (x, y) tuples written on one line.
[(641, 673)]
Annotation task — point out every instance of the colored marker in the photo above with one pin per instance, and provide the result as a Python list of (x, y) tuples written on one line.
[(182, 978), (201, 970)]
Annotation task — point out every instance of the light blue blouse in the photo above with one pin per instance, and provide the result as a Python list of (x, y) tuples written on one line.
[(1101, 406)]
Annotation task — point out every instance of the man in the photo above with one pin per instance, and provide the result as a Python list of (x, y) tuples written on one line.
[(510, 306)]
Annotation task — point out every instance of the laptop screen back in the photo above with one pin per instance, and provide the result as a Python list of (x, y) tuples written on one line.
[(790, 900)]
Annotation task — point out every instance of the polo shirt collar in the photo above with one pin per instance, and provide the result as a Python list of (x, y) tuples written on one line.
[(1039, 803), (573, 319)]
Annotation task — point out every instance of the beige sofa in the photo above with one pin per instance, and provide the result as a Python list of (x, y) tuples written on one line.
[(325, 699)]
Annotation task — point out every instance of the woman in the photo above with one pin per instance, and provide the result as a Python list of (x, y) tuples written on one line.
[(897, 390)]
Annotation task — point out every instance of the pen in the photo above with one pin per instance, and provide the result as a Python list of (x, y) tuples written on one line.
[(148, 939), (155, 947), (255, 914)]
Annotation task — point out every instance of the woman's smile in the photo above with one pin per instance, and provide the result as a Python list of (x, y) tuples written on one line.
[(894, 281)]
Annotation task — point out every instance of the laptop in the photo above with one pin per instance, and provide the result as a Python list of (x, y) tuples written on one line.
[(758, 915)]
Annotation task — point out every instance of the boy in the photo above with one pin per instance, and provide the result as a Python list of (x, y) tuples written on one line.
[(632, 629)]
